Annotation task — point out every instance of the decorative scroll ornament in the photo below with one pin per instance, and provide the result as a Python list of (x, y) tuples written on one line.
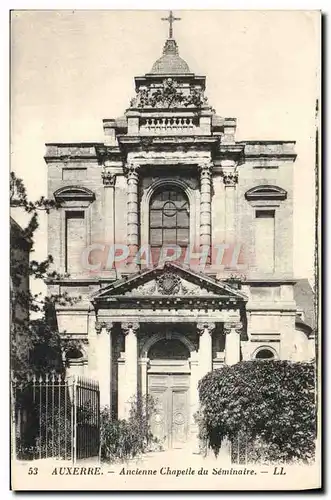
[(100, 325), (229, 327), (168, 96), (168, 284), (202, 327), (129, 327)]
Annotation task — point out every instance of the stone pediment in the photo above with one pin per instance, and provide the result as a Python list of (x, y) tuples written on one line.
[(171, 281)]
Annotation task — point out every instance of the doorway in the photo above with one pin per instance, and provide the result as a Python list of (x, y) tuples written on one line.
[(170, 421), (169, 384)]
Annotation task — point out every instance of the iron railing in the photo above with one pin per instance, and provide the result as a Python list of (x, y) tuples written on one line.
[(56, 417)]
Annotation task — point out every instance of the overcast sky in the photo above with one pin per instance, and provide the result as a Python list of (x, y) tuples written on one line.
[(72, 69)]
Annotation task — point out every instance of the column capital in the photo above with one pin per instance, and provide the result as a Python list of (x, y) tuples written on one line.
[(128, 327), (205, 168), (230, 177), (232, 326), (131, 170), (202, 327), (106, 325), (108, 179)]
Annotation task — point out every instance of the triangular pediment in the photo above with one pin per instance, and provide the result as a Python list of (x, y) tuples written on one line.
[(172, 280)]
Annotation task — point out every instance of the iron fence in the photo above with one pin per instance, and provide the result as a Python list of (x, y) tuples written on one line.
[(56, 417)]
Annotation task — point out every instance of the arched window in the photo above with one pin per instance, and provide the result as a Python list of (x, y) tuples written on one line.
[(169, 218), (265, 353)]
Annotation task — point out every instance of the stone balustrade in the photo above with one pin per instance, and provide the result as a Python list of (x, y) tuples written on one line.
[(169, 125)]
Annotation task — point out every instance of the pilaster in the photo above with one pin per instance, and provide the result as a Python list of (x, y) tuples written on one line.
[(104, 348), (230, 179)]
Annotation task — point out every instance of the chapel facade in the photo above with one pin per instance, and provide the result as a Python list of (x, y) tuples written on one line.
[(171, 175)]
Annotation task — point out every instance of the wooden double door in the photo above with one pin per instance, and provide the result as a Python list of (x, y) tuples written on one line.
[(170, 420)]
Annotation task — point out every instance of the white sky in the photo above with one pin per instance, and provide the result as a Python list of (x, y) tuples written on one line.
[(72, 69)]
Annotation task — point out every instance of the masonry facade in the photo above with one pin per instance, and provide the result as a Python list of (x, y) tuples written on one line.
[(170, 172)]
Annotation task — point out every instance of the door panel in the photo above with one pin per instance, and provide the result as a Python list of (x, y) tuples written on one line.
[(169, 422), (159, 419), (179, 417)]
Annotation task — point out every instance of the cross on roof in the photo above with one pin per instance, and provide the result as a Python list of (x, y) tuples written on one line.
[(170, 20)]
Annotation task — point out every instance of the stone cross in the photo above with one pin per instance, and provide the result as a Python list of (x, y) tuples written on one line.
[(170, 20)]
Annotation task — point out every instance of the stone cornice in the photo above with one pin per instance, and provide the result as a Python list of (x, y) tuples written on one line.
[(269, 150), (187, 302), (164, 143), (70, 152)]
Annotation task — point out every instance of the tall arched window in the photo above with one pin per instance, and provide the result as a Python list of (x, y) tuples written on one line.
[(169, 218)]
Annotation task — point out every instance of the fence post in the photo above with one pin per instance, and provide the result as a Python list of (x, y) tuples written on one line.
[(74, 421)]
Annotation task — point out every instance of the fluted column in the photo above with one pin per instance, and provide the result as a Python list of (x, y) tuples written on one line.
[(205, 347), (205, 208), (130, 384), (104, 341), (230, 179), (232, 342), (131, 171)]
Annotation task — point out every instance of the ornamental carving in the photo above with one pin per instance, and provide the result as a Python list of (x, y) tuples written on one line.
[(131, 170), (100, 325), (230, 178), (129, 327), (168, 284), (229, 327), (205, 170), (168, 96), (108, 179), (203, 327)]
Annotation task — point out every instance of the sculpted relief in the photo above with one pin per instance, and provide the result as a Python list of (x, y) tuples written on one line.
[(168, 96)]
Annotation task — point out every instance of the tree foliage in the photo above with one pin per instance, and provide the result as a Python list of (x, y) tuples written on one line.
[(271, 403), (36, 345)]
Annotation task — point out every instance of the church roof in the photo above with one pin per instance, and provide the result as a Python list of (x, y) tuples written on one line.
[(170, 63)]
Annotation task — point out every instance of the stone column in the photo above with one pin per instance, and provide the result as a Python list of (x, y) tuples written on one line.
[(109, 181), (230, 179), (121, 395), (130, 383), (143, 364), (104, 341), (205, 208), (232, 342), (205, 348), (131, 171)]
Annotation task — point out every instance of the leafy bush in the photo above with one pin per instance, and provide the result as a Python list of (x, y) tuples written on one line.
[(125, 439), (271, 403)]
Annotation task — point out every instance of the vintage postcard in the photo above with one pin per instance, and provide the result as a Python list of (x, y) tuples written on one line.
[(165, 250)]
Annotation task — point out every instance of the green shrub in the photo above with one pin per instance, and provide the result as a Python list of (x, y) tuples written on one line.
[(125, 439), (271, 403)]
